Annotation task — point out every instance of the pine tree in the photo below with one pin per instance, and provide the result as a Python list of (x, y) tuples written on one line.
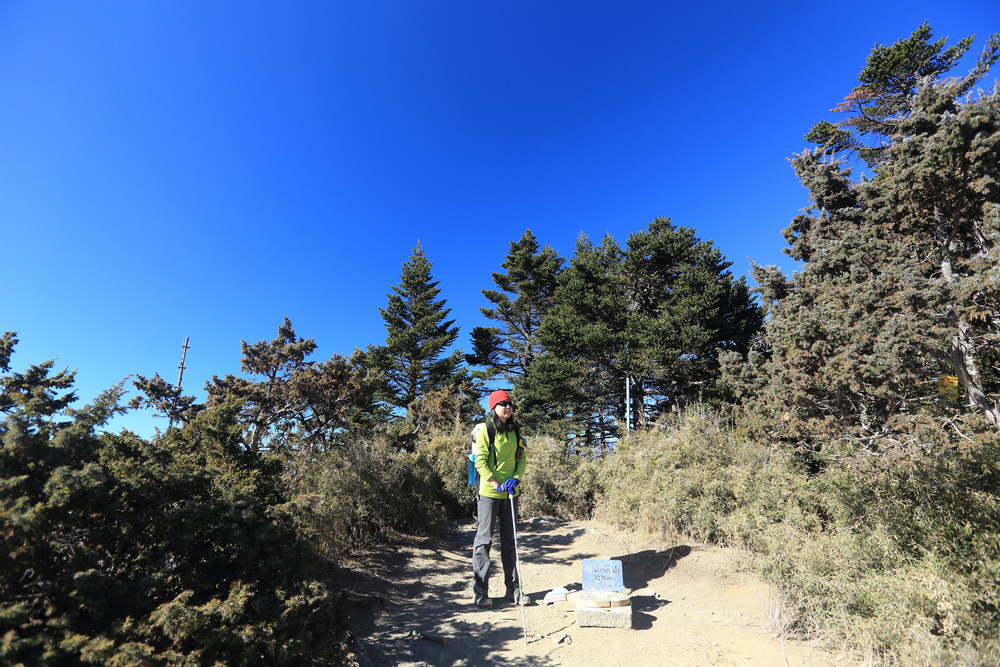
[(938, 190), (899, 284), (122, 551), (523, 296), (850, 346), (412, 361), (575, 381), (653, 317), (165, 399), (289, 401), (685, 308), (887, 86)]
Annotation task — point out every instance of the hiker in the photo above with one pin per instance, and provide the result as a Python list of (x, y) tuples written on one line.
[(500, 470)]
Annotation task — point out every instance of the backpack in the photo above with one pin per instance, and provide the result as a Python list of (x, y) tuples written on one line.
[(491, 430)]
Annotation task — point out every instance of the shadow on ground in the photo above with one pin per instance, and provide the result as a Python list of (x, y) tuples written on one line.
[(413, 607), (641, 567)]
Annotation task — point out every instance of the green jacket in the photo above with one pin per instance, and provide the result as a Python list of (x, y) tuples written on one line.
[(510, 462)]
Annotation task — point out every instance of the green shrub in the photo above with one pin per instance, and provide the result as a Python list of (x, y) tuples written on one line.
[(446, 452), (892, 553), (179, 551), (556, 483), (909, 570), (367, 490), (694, 476)]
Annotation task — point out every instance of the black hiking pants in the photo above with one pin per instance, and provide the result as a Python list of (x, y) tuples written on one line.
[(489, 510)]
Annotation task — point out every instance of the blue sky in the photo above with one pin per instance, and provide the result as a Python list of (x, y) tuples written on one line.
[(204, 169)]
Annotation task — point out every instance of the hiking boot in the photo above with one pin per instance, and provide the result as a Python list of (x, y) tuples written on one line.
[(484, 601), (514, 595)]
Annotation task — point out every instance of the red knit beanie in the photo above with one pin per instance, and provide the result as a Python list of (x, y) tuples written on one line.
[(496, 397)]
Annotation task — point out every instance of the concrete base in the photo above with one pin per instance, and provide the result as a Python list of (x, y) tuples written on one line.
[(608, 617)]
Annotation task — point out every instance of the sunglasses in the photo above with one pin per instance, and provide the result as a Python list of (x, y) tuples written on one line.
[(505, 404)]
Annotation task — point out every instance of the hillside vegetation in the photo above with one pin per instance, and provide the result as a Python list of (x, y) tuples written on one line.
[(840, 428)]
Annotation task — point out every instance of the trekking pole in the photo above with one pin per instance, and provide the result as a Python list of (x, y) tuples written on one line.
[(517, 559)]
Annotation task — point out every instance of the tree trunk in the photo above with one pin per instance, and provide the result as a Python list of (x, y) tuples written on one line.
[(639, 420), (964, 361), (966, 367)]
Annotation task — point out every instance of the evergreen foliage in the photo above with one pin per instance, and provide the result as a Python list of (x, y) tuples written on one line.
[(655, 315), (122, 551), (165, 399), (899, 285), (887, 87), (412, 363), (574, 382), (524, 295), (289, 402), (685, 309), (896, 299)]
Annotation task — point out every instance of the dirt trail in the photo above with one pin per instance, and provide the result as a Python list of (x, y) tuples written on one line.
[(689, 606)]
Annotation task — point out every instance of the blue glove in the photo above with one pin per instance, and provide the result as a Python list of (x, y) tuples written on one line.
[(509, 486)]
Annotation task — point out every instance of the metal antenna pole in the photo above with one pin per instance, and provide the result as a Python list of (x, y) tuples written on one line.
[(628, 404), (180, 366), (628, 394), (180, 373)]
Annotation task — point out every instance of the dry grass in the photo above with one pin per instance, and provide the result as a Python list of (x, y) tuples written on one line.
[(899, 563)]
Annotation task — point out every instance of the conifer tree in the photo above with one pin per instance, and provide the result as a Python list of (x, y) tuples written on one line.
[(849, 343), (413, 361), (685, 308), (523, 296), (165, 399), (899, 284), (119, 551), (654, 317), (576, 382), (937, 190), (289, 401), (887, 86)]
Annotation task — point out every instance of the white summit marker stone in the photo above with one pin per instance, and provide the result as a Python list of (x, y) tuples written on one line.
[(601, 609)]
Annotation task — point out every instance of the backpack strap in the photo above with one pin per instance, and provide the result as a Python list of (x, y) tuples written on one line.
[(491, 430)]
